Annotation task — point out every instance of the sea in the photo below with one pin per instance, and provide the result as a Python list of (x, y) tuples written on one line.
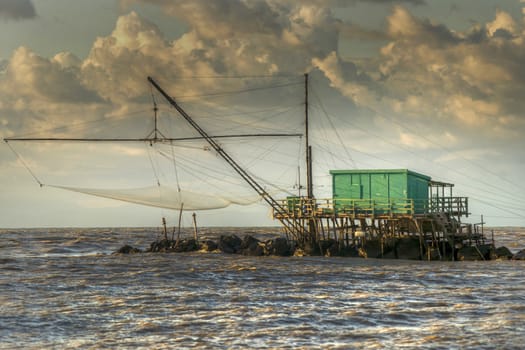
[(65, 289)]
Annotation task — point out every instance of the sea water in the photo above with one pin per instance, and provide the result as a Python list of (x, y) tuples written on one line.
[(62, 288)]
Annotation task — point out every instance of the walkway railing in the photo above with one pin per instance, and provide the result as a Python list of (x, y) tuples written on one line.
[(302, 207)]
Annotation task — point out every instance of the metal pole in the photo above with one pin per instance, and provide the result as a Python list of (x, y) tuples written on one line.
[(312, 224), (309, 183)]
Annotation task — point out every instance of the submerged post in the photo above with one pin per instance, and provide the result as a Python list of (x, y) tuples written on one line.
[(180, 220), (194, 226), (165, 228)]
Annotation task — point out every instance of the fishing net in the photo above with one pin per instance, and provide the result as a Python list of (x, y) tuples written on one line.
[(123, 152), (167, 197)]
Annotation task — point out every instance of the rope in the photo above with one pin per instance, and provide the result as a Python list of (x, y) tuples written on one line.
[(25, 165), (175, 166), (321, 105), (153, 167)]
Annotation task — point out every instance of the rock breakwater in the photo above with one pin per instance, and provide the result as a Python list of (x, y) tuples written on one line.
[(248, 245)]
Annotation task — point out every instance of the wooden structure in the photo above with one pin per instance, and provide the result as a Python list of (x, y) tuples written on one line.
[(385, 207), (380, 206)]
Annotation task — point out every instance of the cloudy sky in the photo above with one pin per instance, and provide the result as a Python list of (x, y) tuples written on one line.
[(433, 86)]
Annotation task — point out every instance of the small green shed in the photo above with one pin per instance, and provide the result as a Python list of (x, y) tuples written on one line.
[(385, 186)]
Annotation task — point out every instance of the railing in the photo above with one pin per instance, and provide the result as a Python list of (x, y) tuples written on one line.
[(454, 205), (302, 207)]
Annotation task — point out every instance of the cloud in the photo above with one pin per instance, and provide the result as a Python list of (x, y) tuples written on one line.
[(503, 25), (17, 9), (426, 72), (53, 79), (468, 83), (37, 93), (224, 38), (383, 2), (345, 77)]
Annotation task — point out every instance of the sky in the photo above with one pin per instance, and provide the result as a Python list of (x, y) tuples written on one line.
[(433, 86)]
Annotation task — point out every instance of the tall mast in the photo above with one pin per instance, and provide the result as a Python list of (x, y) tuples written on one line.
[(312, 225), (309, 182)]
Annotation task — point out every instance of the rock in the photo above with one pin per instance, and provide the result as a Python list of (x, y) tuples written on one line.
[(299, 252), (488, 252), (251, 246), (248, 241), (390, 254), (372, 248), (229, 244), (350, 251), (503, 253), (408, 248), (468, 254), (127, 249), (278, 247), (160, 246), (309, 249), (330, 247), (185, 245), (519, 255), (209, 245)]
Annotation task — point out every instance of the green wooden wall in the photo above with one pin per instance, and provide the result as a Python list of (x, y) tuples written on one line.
[(381, 185)]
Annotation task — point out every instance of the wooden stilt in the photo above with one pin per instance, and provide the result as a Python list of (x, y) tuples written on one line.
[(165, 228), (194, 216)]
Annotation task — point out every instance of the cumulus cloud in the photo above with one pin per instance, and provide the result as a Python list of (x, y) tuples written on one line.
[(503, 25), (426, 71), (17, 9), (382, 2), (224, 38), (51, 80), (37, 93), (468, 83)]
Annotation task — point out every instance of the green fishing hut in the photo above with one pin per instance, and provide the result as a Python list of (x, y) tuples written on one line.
[(395, 191)]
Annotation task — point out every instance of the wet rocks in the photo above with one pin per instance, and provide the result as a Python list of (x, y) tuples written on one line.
[(170, 245), (372, 248), (185, 245), (229, 244), (278, 246), (469, 254), (251, 246), (519, 255), (503, 253), (208, 245), (408, 248), (329, 247), (161, 246), (127, 249)]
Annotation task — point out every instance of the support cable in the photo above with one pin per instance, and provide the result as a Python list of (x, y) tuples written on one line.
[(292, 225), (153, 167), (175, 167), (25, 164), (321, 105)]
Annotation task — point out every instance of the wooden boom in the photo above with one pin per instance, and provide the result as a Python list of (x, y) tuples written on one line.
[(291, 224)]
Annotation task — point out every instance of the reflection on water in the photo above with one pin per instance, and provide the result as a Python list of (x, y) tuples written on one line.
[(63, 289)]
